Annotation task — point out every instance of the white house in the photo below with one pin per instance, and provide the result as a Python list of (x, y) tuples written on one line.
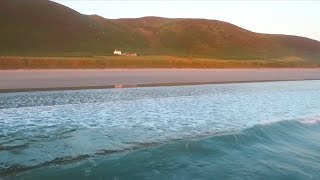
[(117, 52)]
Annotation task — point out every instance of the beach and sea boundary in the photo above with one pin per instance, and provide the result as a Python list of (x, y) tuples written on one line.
[(67, 79)]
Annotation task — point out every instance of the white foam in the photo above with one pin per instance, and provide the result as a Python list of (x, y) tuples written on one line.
[(311, 119)]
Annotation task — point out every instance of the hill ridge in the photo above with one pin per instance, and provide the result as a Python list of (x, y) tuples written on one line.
[(46, 28)]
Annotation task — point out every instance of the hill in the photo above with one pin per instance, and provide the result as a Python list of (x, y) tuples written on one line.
[(46, 28)]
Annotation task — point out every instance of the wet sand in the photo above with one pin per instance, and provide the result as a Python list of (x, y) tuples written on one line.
[(43, 80)]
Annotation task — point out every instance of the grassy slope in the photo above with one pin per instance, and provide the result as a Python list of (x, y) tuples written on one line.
[(153, 61), (217, 39), (44, 28)]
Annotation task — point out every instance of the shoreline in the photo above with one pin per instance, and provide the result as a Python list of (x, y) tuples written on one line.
[(79, 79), (119, 86)]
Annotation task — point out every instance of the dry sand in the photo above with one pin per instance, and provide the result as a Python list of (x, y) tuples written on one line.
[(34, 80)]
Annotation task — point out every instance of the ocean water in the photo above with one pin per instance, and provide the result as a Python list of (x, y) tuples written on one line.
[(267, 130)]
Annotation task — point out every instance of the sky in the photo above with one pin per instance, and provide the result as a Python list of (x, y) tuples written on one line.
[(300, 18)]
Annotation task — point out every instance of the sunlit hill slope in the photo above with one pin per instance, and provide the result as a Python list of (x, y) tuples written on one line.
[(45, 28)]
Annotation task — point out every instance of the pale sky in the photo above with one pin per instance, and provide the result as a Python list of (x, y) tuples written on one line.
[(300, 18)]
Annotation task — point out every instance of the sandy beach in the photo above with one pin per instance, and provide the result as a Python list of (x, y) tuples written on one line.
[(41, 80)]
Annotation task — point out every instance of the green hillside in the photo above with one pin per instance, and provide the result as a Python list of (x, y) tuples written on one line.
[(45, 28)]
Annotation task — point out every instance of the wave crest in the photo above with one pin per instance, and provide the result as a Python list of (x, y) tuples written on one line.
[(311, 120)]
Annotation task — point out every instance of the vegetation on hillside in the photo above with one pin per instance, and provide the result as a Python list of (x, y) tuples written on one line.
[(101, 62), (42, 28)]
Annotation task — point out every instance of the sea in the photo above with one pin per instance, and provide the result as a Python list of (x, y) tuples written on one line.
[(262, 130)]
